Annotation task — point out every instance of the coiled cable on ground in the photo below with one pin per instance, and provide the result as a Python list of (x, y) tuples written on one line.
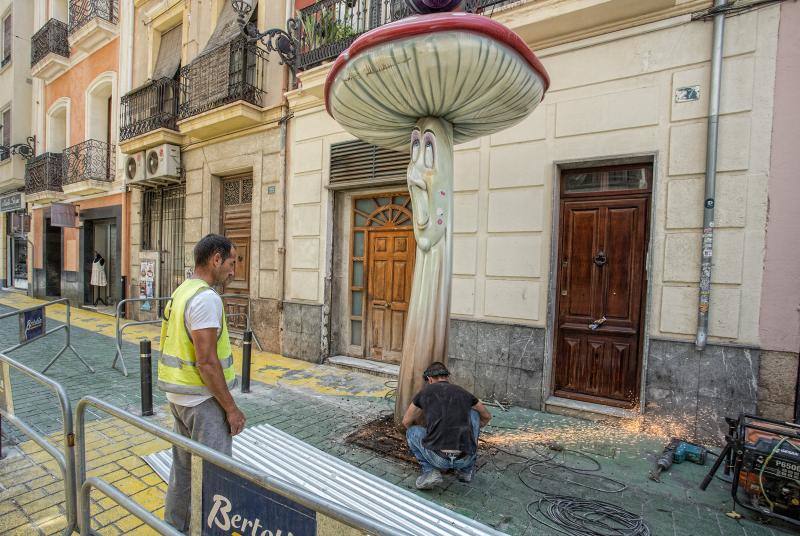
[(573, 515), (586, 517)]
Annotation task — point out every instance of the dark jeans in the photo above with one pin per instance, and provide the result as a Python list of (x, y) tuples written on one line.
[(430, 459)]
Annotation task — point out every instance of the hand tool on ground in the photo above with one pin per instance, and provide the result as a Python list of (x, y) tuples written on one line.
[(678, 451)]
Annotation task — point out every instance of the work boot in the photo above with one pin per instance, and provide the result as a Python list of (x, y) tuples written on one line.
[(429, 479), (466, 474)]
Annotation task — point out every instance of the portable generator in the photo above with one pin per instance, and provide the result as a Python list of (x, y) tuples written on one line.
[(765, 457)]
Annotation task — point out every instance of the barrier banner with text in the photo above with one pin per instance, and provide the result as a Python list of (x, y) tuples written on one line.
[(31, 324), (233, 505)]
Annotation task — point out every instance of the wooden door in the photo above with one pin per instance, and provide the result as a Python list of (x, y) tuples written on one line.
[(391, 266), (237, 196), (601, 286)]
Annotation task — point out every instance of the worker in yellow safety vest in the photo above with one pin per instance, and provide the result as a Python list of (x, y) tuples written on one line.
[(196, 368)]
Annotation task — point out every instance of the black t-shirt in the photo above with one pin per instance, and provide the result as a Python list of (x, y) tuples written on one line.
[(447, 414)]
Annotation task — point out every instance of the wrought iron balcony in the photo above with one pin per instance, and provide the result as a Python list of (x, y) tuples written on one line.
[(44, 173), (91, 160), (82, 12), (149, 107), (205, 86), (325, 29), (52, 37)]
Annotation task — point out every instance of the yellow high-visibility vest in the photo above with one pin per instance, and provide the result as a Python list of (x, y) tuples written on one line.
[(177, 366)]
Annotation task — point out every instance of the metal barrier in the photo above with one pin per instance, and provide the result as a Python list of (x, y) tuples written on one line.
[(200, 455), (120, 328), (35, 327), (247, 315), (66, 459)]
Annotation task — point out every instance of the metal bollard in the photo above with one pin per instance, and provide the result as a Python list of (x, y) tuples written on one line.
[(146, 377), (247, 348)]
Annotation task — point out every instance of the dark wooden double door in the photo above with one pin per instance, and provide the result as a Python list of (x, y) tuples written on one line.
[(601, 289)]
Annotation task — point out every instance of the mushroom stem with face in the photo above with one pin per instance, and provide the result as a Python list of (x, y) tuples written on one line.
[(447, 78), (430, 182)]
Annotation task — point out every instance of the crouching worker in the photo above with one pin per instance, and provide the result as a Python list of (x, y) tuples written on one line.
[(453, 418)]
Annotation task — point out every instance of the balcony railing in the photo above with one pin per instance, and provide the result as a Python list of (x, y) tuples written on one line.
[(91, 160), (235, 71), (44, 173), (52, 37), (82, 12), (149, 107), (328, 27)]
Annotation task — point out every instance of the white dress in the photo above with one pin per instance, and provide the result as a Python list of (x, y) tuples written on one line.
[(98, 275)]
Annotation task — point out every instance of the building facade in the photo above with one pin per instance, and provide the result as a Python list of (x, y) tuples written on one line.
[(75, 193), (219, 105), (15, 118), (577, 234)]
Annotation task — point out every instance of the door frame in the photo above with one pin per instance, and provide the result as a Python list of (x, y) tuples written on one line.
[(349, 227), (548, 377)]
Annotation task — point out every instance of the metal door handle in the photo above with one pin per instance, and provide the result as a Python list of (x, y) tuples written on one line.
[(597, 323), (600, 259), (387, 305)]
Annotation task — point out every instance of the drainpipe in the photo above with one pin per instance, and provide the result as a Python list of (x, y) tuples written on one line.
[(707, 246)]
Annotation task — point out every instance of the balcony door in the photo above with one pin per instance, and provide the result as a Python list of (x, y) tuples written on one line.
[(237, 198)]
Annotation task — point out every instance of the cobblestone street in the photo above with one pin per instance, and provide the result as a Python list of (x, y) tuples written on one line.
[(321, 404)]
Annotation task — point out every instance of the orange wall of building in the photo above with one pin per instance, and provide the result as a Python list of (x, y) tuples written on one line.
[(74, 82), (37, 227)]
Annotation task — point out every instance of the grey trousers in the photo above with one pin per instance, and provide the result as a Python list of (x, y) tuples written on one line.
[(205, 423)]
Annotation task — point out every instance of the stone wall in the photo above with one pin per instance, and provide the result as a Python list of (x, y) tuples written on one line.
[(777, 379), (302, 331), (694, 391), (501, 361)]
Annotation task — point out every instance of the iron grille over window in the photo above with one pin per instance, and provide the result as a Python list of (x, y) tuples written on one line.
[(162, 230), (83, 11), (328, 27), (52, 37), (149, 107), (91, 160), (43, 173), (359, 163), (205, 86)]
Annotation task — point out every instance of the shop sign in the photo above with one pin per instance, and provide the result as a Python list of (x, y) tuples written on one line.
[(31, 324), (233, 505), (12, 203), (63, 215)]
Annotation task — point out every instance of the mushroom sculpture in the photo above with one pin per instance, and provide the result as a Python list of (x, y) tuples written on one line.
[(439, 79)]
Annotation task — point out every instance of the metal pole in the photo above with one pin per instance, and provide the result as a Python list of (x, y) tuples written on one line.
[(146, 377), (247, 349), (707, 246)]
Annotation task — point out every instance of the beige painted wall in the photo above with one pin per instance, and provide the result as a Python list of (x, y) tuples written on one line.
[(611, 96)]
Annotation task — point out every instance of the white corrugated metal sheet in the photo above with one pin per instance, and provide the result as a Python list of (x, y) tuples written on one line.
[(278, 454)]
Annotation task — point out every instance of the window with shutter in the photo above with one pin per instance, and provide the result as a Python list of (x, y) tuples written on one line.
[(356, 163), (7, 127), (8, 39)]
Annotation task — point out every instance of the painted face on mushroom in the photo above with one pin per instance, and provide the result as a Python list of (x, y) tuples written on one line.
[(429, 180)]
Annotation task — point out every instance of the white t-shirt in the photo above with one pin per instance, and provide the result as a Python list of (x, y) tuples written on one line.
[(204, 311)]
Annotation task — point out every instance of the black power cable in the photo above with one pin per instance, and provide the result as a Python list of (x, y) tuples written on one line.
[(573, 515)]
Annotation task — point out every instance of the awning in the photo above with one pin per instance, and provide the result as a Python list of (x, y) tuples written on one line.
[(169, 54), (227, 26)]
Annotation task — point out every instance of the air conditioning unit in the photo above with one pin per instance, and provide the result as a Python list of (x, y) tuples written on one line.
[(134, 167), (163, 162)]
